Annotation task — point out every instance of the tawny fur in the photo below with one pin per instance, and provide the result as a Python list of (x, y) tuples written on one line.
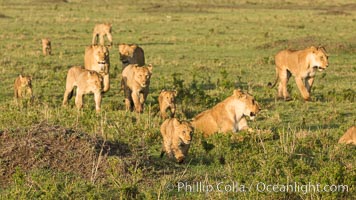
[(101, 30), (86, 81), (176, 138), (228, 115), (135, 82), (131, 54), (97, 58), (166, 100), (46, 47), (303, 65), (349, 137), (23, 87)]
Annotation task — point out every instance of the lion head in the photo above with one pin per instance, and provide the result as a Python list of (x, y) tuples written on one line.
[(25, 81), (168, 96), (95, 81), (126, 51), (101, 57), (318, 58), (143, 74), (251, 107), (183, 130)]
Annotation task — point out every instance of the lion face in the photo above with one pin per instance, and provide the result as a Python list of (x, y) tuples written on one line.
[(143, 75), (251, 107), (25, 81), (169, 96), (184, 131), (126, 51), (95, 81), (319, 58), (101, 56)]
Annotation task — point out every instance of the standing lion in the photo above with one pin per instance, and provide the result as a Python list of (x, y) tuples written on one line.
[(131, 54), (23, 87), (46, 46), (176, 138), (97, 58), (101, 30), (135, 82), (303, 65)]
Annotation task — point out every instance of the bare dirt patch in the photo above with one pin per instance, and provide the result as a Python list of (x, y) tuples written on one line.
[(46, 146)]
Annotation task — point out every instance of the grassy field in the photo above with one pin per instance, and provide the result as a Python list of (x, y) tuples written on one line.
[(204, 49)]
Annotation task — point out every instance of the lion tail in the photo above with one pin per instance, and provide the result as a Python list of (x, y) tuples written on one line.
[(275, 82)]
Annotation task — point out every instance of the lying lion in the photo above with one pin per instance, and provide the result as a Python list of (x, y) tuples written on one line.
[(86, 81), (349, 137), (228, 115), (176, 138)]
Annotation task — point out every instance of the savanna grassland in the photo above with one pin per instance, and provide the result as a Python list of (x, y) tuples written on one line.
[(204, 49)]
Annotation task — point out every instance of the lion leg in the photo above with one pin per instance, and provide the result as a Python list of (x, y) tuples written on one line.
[(173, 110), (106, 83), (128, 99), (101, 39), (242, 124), (67, 93), (97, 99), (282, 88), (309, 83), (109, 36), (303, 90), (178, 154), (93, 42), (79, 99), (163, 112), (137, 103)]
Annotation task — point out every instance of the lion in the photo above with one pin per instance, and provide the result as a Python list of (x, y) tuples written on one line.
[(100, 30), (166, 101), (303, 65), (349, 137), (228, 115), (86, 81), (176, 138), (131, 54), (97, 58), (135, 82), (23, 87), (46, 47)]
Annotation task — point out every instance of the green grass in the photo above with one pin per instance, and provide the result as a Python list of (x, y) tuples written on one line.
[(205, 49)]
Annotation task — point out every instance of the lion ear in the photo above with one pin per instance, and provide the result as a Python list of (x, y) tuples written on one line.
[(20, 76), (176, 123), (150, 67), (238, 93), (313, 48), (175, 93)]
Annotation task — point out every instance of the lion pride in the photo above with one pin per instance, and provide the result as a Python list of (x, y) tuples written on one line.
[(97, 58), (100, 30), (303, 65), (135, 82), (228, 115)]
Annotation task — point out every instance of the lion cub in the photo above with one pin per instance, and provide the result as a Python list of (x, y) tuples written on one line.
[(23, 87), (166, 101), (46, 47), (135, 82), (349, 137), (86, 81), (228, 115), (176, 138), (131, 54), (100, 30)]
